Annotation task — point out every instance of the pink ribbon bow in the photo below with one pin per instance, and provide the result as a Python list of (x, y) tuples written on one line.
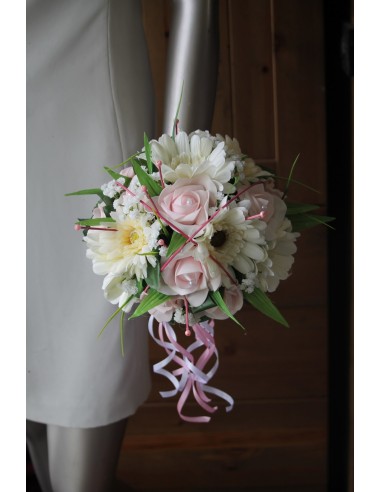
[(189, 376)]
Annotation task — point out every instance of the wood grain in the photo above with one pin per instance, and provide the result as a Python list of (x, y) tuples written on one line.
[(299, 55), (222, 118), (262, 443), (252, 77)]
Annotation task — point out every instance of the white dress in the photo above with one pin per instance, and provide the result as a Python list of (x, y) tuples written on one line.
[(89, 102)]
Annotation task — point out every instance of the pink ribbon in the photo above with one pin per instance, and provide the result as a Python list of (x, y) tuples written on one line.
[(190, 376)]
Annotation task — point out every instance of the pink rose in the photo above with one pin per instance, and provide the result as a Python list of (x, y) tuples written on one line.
[(260, 201), (268, 199), (128, 171), (98, 212), (165, 311), (233, 299), (186, 203), (186, 276)]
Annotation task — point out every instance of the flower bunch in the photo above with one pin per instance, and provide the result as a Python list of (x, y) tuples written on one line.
[(191, 230)]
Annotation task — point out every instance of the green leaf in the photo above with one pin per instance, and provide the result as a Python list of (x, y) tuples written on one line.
[(147, 148), (177, 240), (145, 179), (90, 191), (153, 275), (208, 304), (139, 286), (121, 332), (113, 316), (300, 208), (116, 176), (290, 175), (306, 221), (125, 162), (109, 207), (217, 298), (260, 301), (95, 222), (300, 183), (151, 300)]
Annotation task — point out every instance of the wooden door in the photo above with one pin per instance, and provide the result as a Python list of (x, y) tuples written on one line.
[(270, 96)]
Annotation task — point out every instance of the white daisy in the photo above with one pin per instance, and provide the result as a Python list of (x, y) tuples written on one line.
[(250, 172), (192, 155), (122, 251), (280, 259), (232, 147), (234, 241), (118, 290)]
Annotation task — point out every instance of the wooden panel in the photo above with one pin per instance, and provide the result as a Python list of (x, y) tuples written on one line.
[(252, 77), (222, 118), (307, 285), (300, 94), (262, 444)]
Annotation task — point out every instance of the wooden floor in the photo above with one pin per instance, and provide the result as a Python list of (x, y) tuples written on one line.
[(261, 446)]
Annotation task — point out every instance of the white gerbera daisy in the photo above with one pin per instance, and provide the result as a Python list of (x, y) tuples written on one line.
[(123, 251), (232, 147), (280, 259), (250, 172), (118, 290), (192, 155), (235, 241)]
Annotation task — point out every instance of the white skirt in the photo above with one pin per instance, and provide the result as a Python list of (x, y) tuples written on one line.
[(89, 102)]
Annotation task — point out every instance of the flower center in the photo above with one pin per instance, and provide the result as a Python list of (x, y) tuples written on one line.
[(187, 201), (218, 239), (129, 236)]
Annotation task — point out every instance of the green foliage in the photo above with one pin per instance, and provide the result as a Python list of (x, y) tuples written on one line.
[(151, 300), (113, 315), (90, 191), (208, 304), (290, 175), (217, 298), (300, 208), (116, 176), (260, 301), (96, 191), (121, 332), (177, 240), (145, 179), (95, 222), (147, 148), (153, 275), (301, 222), (301, 219), (139, 286)]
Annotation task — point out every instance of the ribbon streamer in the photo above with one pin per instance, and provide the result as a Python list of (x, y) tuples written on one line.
[(189, 377)]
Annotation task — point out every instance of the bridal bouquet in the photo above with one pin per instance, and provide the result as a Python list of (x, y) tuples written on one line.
[(190, 230)]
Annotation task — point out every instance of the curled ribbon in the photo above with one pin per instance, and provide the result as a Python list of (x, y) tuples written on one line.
[(189, 376)]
